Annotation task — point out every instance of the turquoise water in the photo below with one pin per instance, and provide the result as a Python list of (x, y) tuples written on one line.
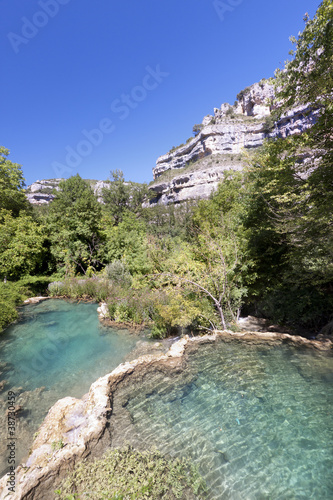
[(57, 349), (256, 420)]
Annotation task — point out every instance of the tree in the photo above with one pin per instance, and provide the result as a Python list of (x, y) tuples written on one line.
[(127, 242), (122, 197), (308, 78), (74, 227), (210, 267), (290, 217), (11, 185), (290, 233), (21, 244), (197, 129)]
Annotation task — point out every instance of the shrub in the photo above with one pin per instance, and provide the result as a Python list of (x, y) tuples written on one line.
[(241, 94), (230, 112), (118, 273), (132, 306), (8, 314), (36, 285), (268, 124), (12, 294), (197, 129), (74, 288)]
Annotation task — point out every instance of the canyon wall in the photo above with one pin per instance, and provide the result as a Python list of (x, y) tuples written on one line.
[(194, 169)]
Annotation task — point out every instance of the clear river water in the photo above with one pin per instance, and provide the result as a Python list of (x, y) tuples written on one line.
[(256, 419), (57, 349)]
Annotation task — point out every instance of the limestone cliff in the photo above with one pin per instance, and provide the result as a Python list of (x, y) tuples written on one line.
[(42, 192), (185, 172), (193, 170)]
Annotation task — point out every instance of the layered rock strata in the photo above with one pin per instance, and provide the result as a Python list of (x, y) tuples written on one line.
[(42, 192), (231, 130), (78, 428), (188, 184)]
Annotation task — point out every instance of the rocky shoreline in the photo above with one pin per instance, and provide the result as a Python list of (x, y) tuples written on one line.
[(75, 429)]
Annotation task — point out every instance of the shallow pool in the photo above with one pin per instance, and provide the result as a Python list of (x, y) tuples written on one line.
[(57, 349), (256, 420)]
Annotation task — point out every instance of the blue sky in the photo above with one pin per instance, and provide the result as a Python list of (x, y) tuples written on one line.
[(92, 86)]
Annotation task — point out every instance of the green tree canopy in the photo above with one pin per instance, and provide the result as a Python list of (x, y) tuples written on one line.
[(290, 216), (74, 226), (12, 196), (308, 77), (123, 197), (21, 244)]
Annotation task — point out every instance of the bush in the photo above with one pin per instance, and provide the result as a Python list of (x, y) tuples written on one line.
[(133, 306), (231, 113), (118, 273), (197, 129), (8, 314), (12, 294), (37, 285), (268, 124), (241, 94), (75, 288)]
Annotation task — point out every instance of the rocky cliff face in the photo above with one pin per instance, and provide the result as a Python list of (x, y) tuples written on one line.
[(182, 173), (42, 192), (193, 170), (197, 180)]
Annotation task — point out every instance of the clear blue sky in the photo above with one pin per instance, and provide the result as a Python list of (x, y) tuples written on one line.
[(142, 73)]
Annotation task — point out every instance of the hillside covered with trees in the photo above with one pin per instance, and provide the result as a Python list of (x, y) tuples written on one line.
[(262, 244)]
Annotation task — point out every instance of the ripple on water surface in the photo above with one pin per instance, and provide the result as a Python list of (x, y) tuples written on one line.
[(257, 420), (62, 347)]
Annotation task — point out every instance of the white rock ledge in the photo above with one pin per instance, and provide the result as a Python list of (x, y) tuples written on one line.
[(35, 300), (79, 425)]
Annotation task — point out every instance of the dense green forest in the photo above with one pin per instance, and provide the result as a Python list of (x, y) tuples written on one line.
[(262, 244)]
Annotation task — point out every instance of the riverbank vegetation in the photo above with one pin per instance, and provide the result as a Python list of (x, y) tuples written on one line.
[(127, 474), (262, 244)]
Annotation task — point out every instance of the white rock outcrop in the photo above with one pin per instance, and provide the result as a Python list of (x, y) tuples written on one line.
[(256, 100), (98, 189), (40, 192), (103, 311), (230, 131)]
